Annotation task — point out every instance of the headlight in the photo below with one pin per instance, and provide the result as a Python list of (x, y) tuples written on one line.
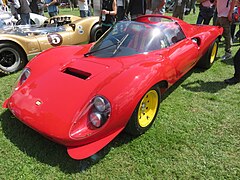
[(91, 118), (100, 104), (22, 78), (100, 111), (96, 119)]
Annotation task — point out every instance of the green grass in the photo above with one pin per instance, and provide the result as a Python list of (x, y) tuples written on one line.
[(196, 136)]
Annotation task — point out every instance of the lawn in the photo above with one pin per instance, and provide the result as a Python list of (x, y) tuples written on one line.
[(195, 136)]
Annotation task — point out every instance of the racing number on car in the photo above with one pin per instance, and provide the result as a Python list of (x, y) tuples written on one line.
[(55, 39)]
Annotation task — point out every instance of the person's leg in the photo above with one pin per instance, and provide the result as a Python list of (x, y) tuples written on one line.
[(236, 62), (51, 14), (207, 20), (224, 22), (199, 18), (181, 14), (236, 78), (120, 13), (215, 17), (83, 13), (25, 19), (176, 11), (227, 35), (193, 7), (233, 27)]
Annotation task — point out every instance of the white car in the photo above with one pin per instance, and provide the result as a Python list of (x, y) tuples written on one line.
[(6, 18)]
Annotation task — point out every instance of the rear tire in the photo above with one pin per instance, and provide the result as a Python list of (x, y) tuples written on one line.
[(96, 33), (145, 113), (12, 58), (208, 59)]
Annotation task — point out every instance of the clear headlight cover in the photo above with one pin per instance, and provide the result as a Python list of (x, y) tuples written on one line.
[(22, 78)]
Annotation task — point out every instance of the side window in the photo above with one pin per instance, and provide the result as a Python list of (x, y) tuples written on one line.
[(174, 33), (180, 35)]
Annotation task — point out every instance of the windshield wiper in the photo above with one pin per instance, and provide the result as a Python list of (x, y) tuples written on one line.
[(91, 52), (118, 43)]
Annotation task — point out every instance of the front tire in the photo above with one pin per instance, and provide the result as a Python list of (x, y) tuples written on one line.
[(145, 113), (208, 59), (12, 58), (96, 33)]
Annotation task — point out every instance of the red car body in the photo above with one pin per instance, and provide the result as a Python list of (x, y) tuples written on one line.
[(56, 90)]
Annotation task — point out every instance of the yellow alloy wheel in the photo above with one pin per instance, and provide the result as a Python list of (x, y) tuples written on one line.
[(148, 108), (214, 52)]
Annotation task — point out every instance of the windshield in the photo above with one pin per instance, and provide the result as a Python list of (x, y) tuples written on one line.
[(128, 38)]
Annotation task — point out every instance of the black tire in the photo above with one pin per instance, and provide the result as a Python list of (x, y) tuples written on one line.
[(140, 122), (12, 58), (96, 33), (208, 59)]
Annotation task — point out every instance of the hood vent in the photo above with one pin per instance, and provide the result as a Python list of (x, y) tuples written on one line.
[(77, 73)]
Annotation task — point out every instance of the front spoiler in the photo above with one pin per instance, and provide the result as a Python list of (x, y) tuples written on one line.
[(88, 150)]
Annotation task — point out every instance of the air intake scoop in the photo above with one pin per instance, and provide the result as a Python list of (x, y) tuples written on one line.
[(77, 73)]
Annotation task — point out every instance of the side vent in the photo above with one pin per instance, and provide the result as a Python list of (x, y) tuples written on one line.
[(77, 73)]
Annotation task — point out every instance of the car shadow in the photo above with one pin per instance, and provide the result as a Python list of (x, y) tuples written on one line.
[(201, 86), (45, 151)]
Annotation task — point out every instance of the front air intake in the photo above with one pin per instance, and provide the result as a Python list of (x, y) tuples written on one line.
[(77, 73)]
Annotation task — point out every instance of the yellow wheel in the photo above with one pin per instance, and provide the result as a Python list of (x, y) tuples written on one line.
[(145, 113), (214, 52), (207, 60), (148, 108)]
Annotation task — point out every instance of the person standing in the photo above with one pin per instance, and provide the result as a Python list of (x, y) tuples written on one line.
[(157, 6), (51, 7), (40, 4), (225, 10), (108, 13), (235, 22), (122, 6), (192, 6), (83, 8), (236, 78), (13, 9), (136, 8), (89, 8), (206, 11), (23, 10), (178, 8), (33, 6)]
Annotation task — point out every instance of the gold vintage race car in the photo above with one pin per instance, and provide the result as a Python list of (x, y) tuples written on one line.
[(19, 43)]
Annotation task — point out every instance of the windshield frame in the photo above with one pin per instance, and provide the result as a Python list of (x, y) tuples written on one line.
[(151, 37)]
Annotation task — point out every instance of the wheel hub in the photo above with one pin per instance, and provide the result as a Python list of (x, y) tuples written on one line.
[(7, 59), (148, 108)]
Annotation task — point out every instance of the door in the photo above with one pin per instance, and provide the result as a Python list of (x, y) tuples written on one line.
[(183, 55)]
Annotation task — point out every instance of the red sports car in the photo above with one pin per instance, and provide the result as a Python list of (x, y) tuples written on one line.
[(84, 96)]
